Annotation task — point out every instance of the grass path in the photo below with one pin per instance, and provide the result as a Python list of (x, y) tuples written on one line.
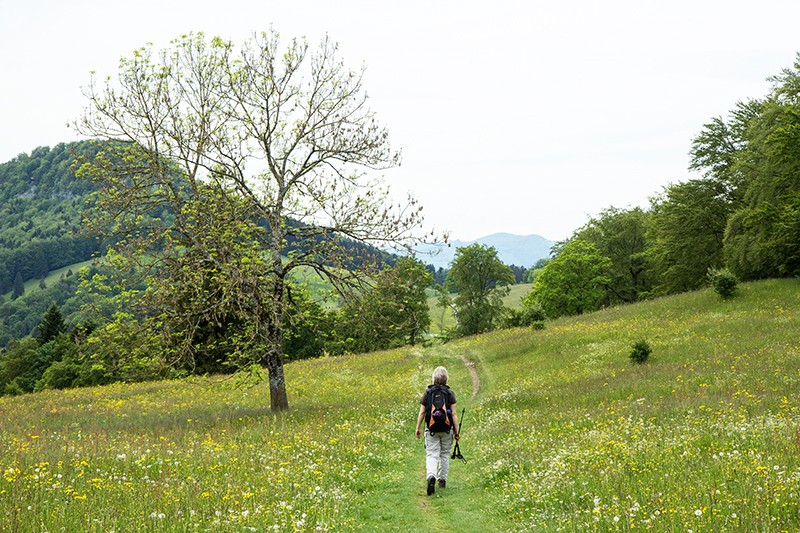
[(398, 501), (476, 380), (465, 505)]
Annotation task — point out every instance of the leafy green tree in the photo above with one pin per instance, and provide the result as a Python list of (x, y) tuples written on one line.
[(310, 329), (536, 269), (620, 235), (573, 282), (686, 232), (480, 280), (279, 134), (393, 312), (756, 154), (20, 366)]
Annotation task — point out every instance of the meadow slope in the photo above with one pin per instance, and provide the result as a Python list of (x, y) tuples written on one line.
[(563, 434)]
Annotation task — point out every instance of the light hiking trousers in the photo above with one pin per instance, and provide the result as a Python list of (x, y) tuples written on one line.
[(437, 454)]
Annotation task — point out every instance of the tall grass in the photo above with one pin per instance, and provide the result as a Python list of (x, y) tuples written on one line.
[(564, 434), (703, 437)]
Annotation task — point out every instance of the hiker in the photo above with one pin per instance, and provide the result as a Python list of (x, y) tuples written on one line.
[(440, 430)]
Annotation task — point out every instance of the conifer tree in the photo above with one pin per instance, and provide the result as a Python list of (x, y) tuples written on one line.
[(51, 325), (18, 289)]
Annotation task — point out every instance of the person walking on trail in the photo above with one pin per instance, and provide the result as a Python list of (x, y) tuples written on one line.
[(438, 411)]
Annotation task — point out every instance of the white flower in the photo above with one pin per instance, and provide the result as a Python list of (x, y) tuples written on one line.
[(698, 512)]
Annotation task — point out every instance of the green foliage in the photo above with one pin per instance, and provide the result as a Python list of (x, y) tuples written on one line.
[(52, 325), (723, 281), (574, 282), (532, 315), (620, 235), (686, 232), (18, 288), (58, 358), (62, 375), (20, 317), (535, 270), (480, 280), (310, 329), (640, 352), (393, 312), (756, 155)]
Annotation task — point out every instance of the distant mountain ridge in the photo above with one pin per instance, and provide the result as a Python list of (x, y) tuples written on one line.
[(520, 250)]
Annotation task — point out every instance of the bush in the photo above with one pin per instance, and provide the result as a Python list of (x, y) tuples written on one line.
[(641, 351), (530, 315), (534, 312), (723, 281), (59, 375)]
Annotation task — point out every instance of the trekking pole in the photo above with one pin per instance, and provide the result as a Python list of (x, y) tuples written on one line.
[(457, 448)]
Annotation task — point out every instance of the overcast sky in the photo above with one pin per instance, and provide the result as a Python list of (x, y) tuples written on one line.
[(522, 117)]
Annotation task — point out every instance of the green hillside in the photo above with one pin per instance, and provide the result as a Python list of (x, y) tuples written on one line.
[(562, 433), (41, 205)]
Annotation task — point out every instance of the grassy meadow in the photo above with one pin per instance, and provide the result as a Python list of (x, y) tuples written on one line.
[(563, 433)]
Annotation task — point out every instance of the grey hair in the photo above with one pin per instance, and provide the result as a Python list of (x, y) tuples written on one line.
[(440, 376)]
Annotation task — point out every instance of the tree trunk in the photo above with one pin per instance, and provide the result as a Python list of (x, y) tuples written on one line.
[(278, 401), (277, 382)]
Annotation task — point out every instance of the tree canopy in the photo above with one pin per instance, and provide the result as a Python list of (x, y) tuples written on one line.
[(755, 155), (574, 282), (480, 280)]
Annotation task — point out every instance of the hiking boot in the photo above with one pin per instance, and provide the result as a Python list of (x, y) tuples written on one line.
[(442, 483), (431, 485)]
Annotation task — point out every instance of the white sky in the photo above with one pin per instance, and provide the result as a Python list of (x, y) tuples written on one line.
[(521, 117)]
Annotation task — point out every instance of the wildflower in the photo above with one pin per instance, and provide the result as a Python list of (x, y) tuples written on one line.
[(698, 512)]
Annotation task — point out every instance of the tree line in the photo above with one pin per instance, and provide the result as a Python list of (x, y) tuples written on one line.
[(102, 337), (742, 216)]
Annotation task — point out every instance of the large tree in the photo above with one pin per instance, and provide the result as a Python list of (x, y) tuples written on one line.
[(52, 325), (480, 280), (687, 226), (282, 135), (391, 313), (573, 283), (619, 235)]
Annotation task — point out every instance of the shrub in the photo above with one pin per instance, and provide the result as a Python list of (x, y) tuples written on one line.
[(723, 281), (530, 315), (641, 351), (59, 375), (534, 312)]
